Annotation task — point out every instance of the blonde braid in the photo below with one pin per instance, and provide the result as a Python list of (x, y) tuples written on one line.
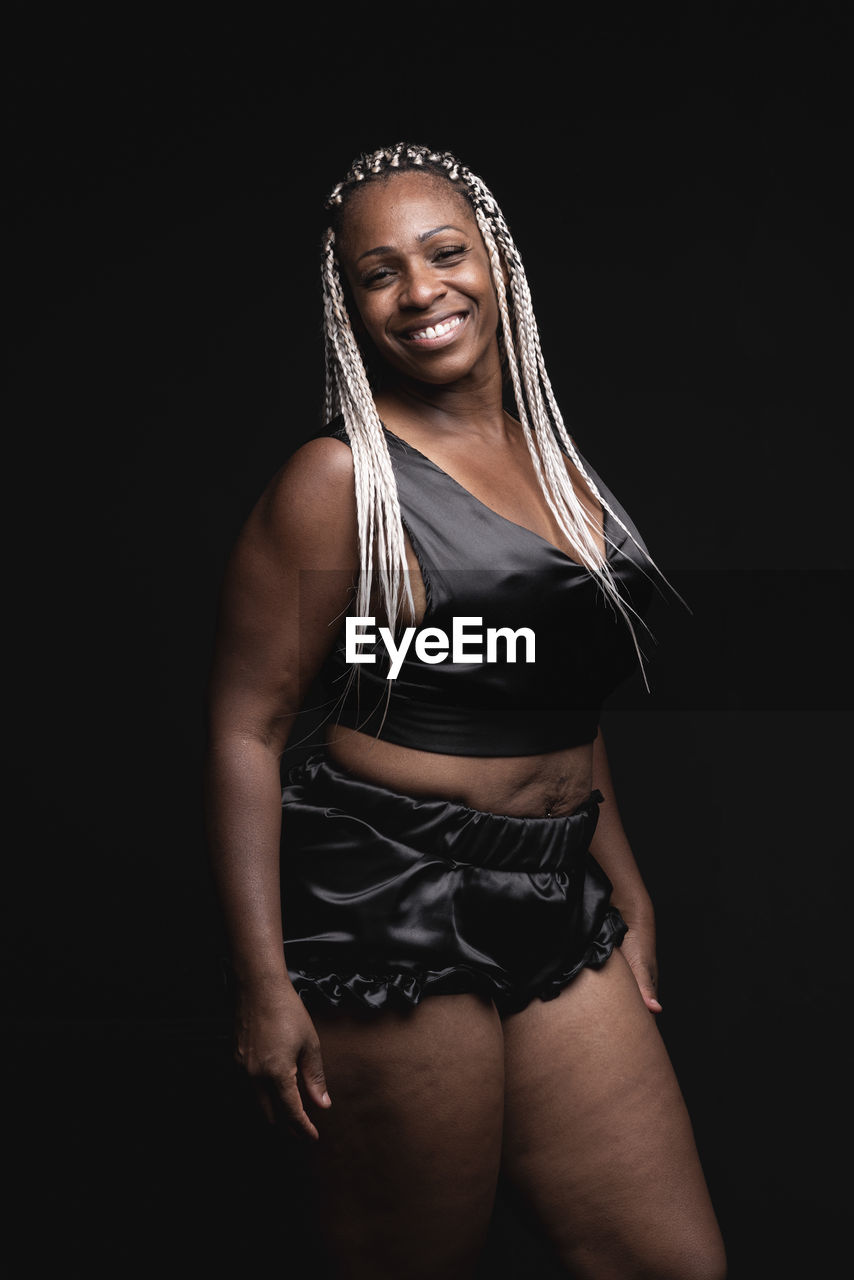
[(571, 515), (557, 489), (377, 505)]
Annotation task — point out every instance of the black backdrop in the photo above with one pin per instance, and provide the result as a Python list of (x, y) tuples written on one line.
[(673, 186)]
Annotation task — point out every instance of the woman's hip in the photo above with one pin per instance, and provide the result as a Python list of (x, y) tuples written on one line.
[(387, 896)]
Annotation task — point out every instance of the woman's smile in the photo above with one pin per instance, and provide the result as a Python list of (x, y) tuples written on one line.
[(438, 333)]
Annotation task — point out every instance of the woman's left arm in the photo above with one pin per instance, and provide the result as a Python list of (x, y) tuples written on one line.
[(611, 849)]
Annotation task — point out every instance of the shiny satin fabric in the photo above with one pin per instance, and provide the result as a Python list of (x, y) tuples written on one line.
[(387, 898), (476, 563)]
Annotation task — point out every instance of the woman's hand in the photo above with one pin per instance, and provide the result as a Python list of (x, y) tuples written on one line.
[(639, 949), (277, 1045)]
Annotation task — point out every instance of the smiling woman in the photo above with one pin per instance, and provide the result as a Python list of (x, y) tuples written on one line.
[(448, 303), (432, 923)]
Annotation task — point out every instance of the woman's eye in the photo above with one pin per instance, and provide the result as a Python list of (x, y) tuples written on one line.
[(379, 274), (445, 254)]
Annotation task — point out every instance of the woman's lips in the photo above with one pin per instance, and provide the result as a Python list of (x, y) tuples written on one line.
[(436, 335)]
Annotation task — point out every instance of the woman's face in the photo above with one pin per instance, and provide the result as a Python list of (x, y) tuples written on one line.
[(420, 277)]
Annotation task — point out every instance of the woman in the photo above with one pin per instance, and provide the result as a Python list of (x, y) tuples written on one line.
[(468, 981)]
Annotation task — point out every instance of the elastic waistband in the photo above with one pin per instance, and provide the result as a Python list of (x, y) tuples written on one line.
[(443, 827)]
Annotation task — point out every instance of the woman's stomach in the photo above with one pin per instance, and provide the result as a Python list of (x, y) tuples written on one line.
[(552, 784)]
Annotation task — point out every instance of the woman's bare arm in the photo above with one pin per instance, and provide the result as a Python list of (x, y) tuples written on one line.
[(611, 849), (287, 585)]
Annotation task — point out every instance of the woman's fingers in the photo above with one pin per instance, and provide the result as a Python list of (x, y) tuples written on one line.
[(313, 1076), (291, 1112), (282, 1098), (280, 1101), (646, 980), (645, 974), (277, 1045), (650, 998)]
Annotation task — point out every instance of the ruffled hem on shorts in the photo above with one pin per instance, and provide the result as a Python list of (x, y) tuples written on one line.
[(402, 987)]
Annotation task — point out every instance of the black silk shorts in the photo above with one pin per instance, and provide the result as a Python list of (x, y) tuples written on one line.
[(387, 898)]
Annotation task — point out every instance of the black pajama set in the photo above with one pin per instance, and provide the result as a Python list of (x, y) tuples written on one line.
[(386, 897)]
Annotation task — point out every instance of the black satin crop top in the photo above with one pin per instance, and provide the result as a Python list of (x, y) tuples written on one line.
[(482, 567)]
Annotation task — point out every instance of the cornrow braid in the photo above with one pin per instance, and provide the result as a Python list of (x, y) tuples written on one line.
[(348, 392)]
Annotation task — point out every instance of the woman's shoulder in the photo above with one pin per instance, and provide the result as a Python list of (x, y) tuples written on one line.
[(313, 490), (325, 458)]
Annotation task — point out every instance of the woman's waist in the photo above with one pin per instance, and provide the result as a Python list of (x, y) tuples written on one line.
[(547, 785), (332, 812)]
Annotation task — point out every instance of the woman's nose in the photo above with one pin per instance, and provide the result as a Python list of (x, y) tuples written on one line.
[(421, 287)]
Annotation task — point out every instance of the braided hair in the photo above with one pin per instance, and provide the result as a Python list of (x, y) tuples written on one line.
[(349, 393)]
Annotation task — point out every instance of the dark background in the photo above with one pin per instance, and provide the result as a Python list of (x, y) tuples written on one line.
[(674, 186)]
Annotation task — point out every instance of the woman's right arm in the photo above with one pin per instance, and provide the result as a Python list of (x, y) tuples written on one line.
[(287, 585)]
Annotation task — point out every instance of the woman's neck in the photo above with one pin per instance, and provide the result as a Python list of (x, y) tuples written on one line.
[(473, 408)]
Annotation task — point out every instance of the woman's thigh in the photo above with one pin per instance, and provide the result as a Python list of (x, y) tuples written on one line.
[(597, 1139), (407, 1161)]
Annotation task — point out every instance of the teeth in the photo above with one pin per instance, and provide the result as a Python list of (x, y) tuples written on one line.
[(437, 330)]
